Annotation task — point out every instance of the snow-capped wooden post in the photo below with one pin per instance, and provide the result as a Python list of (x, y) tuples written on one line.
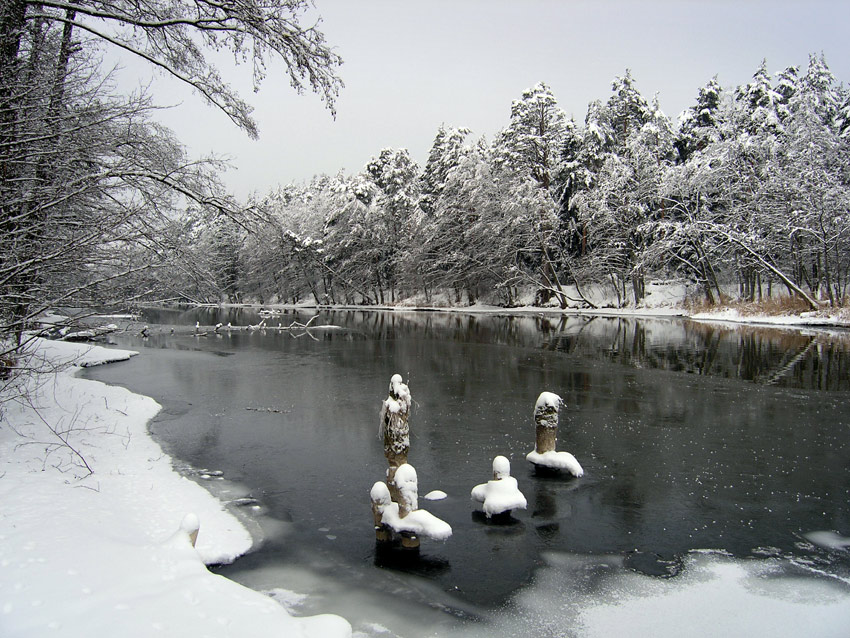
[(544, 455), (190, 525), (395, 430), (380, 496), (501, 494), (546, 419), (395, 504), (407, 487)]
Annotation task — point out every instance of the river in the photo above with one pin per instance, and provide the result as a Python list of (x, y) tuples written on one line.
[(731, 441)]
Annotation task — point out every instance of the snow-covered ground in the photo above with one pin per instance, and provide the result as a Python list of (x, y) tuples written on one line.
[(100, 552), (663, 299)]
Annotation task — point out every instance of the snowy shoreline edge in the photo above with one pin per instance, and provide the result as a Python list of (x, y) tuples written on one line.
[(102, 553)]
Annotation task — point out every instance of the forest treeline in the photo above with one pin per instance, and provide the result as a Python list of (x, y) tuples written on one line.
[(101, 204), (749, 187)]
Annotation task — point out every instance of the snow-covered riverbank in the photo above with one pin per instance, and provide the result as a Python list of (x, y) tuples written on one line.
[(101, 553), (664, 299)]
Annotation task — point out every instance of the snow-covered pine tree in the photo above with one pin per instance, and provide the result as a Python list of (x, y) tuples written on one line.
[(629, 110), (396, 177), (531, 144), (698, 125), (449, 147)]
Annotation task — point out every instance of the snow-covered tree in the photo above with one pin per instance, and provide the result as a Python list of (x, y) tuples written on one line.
[(531, 144), (84, 172), (447, 151), (811, 184), (395, 176), (698, 125), (628, 109)]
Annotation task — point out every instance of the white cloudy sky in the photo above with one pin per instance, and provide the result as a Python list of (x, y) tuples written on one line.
[(411, 65)]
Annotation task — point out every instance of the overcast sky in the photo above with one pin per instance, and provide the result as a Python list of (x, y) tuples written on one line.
[(411, 65)]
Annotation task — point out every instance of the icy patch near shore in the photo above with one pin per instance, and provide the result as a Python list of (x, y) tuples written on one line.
[(90, 538), (715, 595)]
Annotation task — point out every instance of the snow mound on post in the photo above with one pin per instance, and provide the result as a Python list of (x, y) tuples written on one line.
[(548, 399), (502, 493), (501, 467), (408, 486), (380, 494), (546, 409), (557, 461), (499, 496), (399, 399), (419, 522)]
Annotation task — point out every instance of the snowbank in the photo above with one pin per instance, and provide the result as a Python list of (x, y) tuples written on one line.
[(90, 538)]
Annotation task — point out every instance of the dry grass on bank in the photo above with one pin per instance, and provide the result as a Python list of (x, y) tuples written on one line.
[(772, 306)]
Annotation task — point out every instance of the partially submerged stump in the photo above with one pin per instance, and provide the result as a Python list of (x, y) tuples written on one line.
[(546, 420), (380, 496), (395, 429), (404, 517), (395, 504), (501, 494)]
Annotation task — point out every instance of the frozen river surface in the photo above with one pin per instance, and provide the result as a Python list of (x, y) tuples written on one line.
[(716, 467)]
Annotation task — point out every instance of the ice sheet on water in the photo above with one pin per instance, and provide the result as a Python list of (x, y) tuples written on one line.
[(589, 596)]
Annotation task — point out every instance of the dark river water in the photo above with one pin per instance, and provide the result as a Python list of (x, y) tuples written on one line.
[(692, 436)]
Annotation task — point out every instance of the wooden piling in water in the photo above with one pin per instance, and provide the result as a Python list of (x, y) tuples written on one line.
[(380, 496), (395, 429), (546, 420), (407, 487)]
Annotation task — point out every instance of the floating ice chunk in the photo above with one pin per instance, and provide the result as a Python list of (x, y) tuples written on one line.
[(323, 626), (830, 540), (435, 495), (557, 461), (502, 493), (289, 600)]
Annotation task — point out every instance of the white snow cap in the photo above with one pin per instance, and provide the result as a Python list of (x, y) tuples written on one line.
[(548, 400), (420, 522), (399, 389), (502, 493), (557, 461), (190, 523), (406, 482), (501, 467), (380, 494), (398, 402)]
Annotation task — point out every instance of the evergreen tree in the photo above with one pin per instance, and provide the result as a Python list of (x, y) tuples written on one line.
[(629, 110), (759, 101), (531, 144), (396, 177), (699, 124), (446, 153)]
